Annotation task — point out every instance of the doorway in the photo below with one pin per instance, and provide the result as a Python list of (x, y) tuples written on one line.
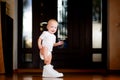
[(75, 28)]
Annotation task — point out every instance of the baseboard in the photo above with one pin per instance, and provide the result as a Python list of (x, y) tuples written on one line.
[(62, 70), (114, 71)]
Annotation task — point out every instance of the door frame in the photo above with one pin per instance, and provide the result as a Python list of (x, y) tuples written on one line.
[(87, 37)]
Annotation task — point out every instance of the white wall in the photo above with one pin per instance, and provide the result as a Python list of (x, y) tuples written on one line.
[(15, 53)]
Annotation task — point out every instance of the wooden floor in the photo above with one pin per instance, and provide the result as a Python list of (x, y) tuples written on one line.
[(68, 75)]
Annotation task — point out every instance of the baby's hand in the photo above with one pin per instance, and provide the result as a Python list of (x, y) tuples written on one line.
[(60, 42), (40, 47)]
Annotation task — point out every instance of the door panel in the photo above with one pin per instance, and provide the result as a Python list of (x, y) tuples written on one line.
[(45, 10)]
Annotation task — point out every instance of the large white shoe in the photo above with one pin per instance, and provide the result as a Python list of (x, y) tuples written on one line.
[(48, 71)]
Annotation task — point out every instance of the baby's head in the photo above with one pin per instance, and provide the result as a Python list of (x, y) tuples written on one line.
[(52, 26)]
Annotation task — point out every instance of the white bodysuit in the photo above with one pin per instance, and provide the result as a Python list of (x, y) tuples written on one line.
[(48, 41)]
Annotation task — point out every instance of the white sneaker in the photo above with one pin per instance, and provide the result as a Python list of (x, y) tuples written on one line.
[(55, 70), (48, 71)]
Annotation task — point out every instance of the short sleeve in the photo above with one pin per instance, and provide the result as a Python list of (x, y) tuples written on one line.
[(43, 35), (54, 39)]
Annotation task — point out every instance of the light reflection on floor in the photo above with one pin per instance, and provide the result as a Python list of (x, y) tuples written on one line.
[(68, 76)]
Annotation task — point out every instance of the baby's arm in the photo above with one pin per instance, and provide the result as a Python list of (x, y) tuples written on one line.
[(59, 43), (39, 43), (40, 46)]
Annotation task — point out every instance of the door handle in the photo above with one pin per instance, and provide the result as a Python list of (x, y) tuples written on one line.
[(43, 23)]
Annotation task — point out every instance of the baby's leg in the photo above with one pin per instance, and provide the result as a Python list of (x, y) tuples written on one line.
[(48, 70), (47, 56), (47, 59)]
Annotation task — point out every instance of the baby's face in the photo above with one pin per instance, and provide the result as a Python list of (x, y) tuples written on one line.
[(52, 27)]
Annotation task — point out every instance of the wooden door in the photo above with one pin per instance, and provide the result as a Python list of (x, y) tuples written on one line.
[(77, 51)]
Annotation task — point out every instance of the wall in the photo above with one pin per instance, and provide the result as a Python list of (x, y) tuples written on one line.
[(12, 12), (2, 70), (114, 34)]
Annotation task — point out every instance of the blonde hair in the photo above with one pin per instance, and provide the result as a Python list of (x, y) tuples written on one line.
[(52, 20)]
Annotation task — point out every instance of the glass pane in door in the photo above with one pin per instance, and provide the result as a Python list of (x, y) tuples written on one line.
[(97, 24), (62, 19), (27, 24)]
